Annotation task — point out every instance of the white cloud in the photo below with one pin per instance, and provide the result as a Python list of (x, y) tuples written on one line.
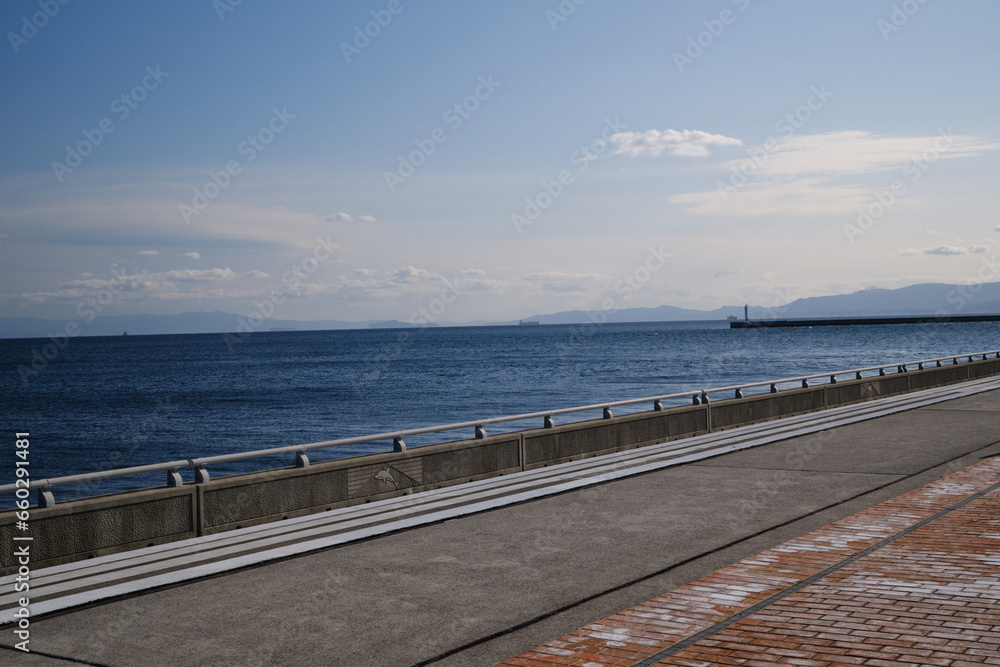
[(564, 282), (89, 283), (799, 196), (820, 173), (404, 283), (109, 219), (942, 250), (347, 217), (188, 275), (409, 287), (138, 287), (191, 255), (148, 252), (194, 275), (257, 274), (683, 143), (858, 152)]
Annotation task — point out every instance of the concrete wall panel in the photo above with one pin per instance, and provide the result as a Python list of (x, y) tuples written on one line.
[(472, 461), (100, 525)]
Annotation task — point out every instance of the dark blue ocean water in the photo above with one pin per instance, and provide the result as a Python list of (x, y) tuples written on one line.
[(110, 402)]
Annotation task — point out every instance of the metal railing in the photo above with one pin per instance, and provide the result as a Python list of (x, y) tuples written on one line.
[(698, 397)]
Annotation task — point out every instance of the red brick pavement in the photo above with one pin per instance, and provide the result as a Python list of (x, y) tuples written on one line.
[(932, 597)]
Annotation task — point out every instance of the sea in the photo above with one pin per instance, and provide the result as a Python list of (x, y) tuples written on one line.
[(100, 403)]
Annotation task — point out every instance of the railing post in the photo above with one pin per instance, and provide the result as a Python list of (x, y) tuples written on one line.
[(857, 376), (201, 475), (708, 411), (805, 383), (695, 400), (739, 393), (881, 372), (657, 406), (774, 388), (607, 413), (548, 423), (174, 478), (301, 459), (45, 497), (480, 432), (398, 445), (833, 379)]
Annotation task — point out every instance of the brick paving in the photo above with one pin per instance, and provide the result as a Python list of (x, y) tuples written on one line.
[(930, 597)]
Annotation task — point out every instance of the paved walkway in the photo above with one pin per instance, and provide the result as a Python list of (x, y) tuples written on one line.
[(474, 590), (912, 581)]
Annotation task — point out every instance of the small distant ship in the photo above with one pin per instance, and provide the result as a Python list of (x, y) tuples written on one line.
[(124, 333), (529, 323), (733, 318)]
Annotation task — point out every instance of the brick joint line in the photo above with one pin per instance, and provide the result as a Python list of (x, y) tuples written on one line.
[(763, 604)]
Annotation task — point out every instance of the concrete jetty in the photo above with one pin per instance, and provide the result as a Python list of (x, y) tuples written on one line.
[(432, 579), (859, 321)]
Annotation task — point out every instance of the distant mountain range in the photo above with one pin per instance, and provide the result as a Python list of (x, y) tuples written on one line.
[(923, 299)]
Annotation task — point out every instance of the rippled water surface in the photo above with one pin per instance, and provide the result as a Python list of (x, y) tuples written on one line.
[(109, 402)]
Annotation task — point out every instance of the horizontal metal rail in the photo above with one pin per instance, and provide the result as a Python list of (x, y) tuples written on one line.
[(857, 372), (697, 397)]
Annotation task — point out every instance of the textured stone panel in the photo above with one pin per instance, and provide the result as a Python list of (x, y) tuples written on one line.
[(687, 422), (984, 369), (446, 466), (562, 444), (761, 408), (255, 500), (936, 377), (631, 431), (87, 531)]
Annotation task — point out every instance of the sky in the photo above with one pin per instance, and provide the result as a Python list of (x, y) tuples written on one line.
[(373, 160)]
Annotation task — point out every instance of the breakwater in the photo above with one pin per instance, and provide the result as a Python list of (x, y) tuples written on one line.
[(861, 321)]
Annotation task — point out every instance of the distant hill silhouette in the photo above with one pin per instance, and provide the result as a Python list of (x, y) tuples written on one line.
[(922, 299), (396, 324)]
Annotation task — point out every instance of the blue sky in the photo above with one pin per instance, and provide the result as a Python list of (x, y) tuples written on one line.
[(800, 149)]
